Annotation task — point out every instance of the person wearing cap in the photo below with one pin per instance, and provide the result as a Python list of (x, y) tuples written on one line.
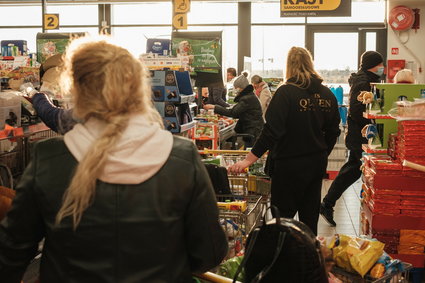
[(58, 119), (247, 110), (371, 70), (404, 76)]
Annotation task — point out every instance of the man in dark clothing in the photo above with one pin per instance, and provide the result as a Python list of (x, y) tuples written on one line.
[(371, 70)]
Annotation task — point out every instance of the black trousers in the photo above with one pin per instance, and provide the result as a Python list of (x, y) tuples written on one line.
[(348, 174), (296, 187)]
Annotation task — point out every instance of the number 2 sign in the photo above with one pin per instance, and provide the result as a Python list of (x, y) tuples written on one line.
[(51, 21)]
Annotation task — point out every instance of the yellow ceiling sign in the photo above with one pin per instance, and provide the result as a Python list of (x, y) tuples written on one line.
[(309, 5), (51, 21), (180, 21), (181, 6)]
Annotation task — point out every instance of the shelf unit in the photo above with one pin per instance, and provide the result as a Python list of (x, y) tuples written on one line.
[(173, 98)]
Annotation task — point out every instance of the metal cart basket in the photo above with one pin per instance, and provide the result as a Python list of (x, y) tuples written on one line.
[(349, 277)]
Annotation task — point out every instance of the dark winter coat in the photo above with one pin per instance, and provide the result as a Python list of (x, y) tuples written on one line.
[(300, 122), (58, 119), (160, 230), (247, 110), (359, 81)]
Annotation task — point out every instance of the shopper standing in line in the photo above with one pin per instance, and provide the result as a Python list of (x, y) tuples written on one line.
[(231, 74), (302, 125), (262, 91), (247, 110), (371, 70), (118, 198)]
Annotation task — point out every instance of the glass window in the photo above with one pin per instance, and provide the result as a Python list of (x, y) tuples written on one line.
[(212, 13), (270, 13), (361, 12), (229, 41), (336, 56), (371, 41), (135, 38), (20, 16), (75, 14), (268, 54), (28, 34), (145, 13)]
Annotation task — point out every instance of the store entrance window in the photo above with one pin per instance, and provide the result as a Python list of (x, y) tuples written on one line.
[(337, 49), (335, 56)]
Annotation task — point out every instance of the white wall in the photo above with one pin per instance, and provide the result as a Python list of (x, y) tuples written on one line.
[(416, 42)]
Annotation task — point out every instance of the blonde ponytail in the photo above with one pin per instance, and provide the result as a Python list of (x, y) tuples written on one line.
[(108, 84), (81, 191)]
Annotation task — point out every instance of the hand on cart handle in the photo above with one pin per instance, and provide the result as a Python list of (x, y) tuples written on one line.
[(242, 166), (239, 167)]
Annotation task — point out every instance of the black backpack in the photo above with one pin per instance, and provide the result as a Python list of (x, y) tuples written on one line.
[(283, 250)]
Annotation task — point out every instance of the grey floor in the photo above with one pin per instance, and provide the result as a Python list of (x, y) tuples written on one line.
[(346, 213)]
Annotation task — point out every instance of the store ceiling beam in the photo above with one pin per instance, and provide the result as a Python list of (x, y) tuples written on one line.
[(26, 2)]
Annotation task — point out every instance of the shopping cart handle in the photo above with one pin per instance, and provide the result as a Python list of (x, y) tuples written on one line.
[(211, 277)]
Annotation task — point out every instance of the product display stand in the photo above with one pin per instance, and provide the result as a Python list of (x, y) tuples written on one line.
[(173, 96), (393, 195)]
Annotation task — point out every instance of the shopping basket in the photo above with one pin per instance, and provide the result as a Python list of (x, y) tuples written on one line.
[(345, 276)]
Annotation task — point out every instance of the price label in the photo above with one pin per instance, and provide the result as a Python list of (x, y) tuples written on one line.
[(181, 6), (51, 21), (180, 21)]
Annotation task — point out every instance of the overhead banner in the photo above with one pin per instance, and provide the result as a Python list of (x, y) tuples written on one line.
[(315, 8)]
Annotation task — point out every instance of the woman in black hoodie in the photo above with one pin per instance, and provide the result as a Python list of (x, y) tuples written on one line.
[(247, 110), (301, 130)]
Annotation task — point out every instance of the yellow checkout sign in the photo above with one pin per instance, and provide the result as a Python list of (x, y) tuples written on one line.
[(181, 7), (51, 21)]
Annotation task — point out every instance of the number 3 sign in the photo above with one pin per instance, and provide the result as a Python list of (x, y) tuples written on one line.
[(51, 21)]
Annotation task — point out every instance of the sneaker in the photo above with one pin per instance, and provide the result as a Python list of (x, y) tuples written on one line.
[(328, 214)]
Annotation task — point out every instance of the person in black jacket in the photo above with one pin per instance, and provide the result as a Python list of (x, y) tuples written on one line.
[(302, 125), (371, 70), (118, 198), (247, 110)]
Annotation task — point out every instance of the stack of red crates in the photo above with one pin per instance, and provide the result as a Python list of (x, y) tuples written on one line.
[(410, 145), (393, 208)]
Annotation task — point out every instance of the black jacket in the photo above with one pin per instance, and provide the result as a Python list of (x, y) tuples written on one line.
[(299, 122), (359, 81), (248, 110), (161, 230)]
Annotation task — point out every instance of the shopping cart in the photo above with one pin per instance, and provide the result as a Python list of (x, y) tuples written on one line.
[(213, 278), (348, 277), (255, 181)]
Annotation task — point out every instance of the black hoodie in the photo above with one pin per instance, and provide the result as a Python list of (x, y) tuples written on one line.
[(300, 122), (359, 81), (248, 110)]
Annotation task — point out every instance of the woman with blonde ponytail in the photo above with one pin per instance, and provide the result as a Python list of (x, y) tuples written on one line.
[(302, 125), (118, 198)]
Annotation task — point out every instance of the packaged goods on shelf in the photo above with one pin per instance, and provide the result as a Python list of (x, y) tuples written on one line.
[(10, 109)]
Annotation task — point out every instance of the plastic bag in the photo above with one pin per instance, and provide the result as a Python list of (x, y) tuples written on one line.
[(356, 254), (229, 267)]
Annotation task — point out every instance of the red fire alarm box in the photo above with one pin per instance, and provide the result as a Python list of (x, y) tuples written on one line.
[(393, 66), (394, 51)]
